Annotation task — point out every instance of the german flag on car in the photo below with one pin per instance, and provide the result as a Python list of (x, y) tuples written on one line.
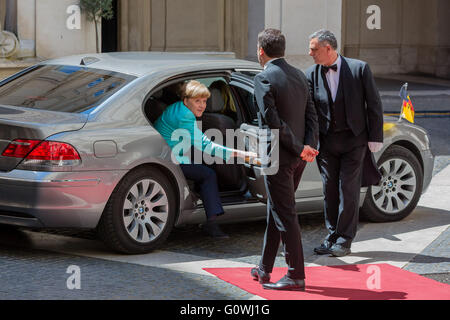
[(407, 106)]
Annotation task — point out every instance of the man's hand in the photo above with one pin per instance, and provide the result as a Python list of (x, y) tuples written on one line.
[(375, 146), (309, 154)]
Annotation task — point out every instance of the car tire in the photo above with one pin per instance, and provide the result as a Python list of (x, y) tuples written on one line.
[(140, 213), (399, 191)]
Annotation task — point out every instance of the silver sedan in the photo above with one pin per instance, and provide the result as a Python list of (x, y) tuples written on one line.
[(78, 150)]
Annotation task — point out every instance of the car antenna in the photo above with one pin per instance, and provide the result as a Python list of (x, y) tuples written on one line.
[(89, 60)]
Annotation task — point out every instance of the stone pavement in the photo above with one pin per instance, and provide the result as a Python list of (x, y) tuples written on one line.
[(41, 275), (435, 258), (33, 265), (419, 243)]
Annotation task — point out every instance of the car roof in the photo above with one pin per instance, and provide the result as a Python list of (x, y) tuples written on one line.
[(143, 63)]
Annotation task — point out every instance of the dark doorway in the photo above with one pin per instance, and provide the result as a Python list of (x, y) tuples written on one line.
[(109, 32)]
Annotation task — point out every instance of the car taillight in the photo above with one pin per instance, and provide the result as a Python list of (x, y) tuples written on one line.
[(20, 148), (37, 154), (53, 151)]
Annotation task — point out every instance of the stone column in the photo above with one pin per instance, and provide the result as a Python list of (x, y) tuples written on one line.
[(256, 13), (10, 22), (2, 14), (297, 19), (134, 24), (26, 27), (184, 25), (236, 27)]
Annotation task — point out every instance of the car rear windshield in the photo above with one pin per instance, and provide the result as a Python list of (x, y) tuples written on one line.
[(74, 89)]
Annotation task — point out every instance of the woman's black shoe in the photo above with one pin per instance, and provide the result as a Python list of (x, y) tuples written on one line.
[(212, 229)]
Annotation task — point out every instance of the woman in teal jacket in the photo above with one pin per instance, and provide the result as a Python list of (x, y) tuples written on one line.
[(179, 121)]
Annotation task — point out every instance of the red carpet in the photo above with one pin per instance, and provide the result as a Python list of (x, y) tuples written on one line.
[(349, 282)]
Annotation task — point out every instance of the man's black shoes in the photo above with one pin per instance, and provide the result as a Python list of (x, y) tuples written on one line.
[(324, 248), (259, 275), (287, 284), (338, 250)]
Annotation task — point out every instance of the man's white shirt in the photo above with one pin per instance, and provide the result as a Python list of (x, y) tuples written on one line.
[(333, 77), (333, 83)]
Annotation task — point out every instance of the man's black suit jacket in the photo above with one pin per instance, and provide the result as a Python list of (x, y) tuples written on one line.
[(362, 101), (283, 98), (364, 110)]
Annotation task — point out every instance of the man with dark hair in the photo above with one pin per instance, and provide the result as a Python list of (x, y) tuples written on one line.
[(282, 95), (351, 127), (273, 41)]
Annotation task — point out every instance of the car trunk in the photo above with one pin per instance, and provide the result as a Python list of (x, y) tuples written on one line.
[(25, 123)]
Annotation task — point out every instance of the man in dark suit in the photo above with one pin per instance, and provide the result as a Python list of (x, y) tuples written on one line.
[(351, 127), (282, 95)]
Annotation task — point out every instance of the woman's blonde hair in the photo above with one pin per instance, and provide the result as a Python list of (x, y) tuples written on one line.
[(194, 89)]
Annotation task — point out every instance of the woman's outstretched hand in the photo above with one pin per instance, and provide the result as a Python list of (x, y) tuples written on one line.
[(248, 156), (244, 154)]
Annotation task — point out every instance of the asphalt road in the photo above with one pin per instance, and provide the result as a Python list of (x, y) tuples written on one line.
[(37, 265)]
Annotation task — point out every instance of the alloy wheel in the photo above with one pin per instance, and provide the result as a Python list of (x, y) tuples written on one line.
[(397, 187), (145, 210)]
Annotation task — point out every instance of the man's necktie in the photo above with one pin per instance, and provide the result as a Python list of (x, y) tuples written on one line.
[(333, 67)]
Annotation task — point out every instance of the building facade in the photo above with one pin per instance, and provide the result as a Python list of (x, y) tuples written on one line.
[(394, 36)]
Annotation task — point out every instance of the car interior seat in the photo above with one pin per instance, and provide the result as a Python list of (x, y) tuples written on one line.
[(229, 176), (160, 100), (154, 107)]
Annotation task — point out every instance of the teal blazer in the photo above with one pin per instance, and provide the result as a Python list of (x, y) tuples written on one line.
[(177, 116)]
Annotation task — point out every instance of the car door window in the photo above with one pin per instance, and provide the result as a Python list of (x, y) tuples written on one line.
[(243, 89), (170, 93), (248, 100)]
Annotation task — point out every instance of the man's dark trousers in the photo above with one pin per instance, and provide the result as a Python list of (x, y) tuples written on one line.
[(340, 164), (284, 102), (346, 126), (282, 220)]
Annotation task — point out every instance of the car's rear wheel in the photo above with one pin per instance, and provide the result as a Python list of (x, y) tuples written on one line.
[(399, 190), (140, 213)]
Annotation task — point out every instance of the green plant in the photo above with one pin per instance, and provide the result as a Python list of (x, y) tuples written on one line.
[(95, 11)]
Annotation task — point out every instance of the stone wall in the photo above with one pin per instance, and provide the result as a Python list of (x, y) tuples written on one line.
[(298, 19), (414, 36), (183, 25), (53, 38), (43, 32)]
